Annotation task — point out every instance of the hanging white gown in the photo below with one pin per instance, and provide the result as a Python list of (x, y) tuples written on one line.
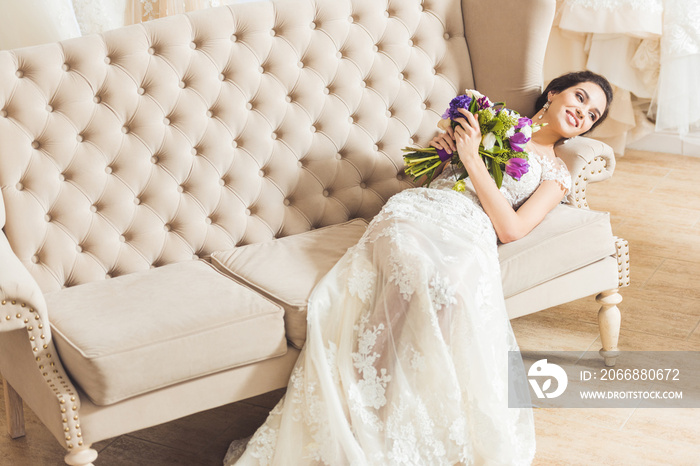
[(406, 358)]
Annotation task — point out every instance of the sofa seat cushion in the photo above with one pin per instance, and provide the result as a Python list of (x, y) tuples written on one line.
[(125, 336), (287, 269), (567, 239)]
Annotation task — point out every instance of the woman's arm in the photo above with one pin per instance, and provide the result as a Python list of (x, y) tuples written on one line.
[(508, 223)]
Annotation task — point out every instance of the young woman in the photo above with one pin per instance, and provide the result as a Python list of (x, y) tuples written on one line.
[(406, 358)]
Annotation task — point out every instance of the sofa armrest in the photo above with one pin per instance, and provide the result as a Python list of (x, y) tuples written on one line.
[(588, 161), (21, 299)]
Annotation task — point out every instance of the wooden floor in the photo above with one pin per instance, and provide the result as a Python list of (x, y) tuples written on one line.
[(654, 200)]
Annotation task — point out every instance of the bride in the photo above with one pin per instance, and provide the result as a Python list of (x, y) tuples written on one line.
[(406, 358)]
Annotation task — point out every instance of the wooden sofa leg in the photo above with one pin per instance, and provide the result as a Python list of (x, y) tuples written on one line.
[(83, 456), (609, 324), (14, 411)]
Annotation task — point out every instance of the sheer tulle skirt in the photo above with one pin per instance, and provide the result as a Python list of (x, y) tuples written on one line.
[(406, 359)]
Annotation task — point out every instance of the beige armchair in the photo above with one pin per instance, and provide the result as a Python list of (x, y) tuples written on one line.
[(139, 168)]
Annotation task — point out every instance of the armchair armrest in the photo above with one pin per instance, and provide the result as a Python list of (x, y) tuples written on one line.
[(21, 299), (588, 161)]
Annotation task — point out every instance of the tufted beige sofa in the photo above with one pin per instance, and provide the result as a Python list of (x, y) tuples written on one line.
[(171, 192)]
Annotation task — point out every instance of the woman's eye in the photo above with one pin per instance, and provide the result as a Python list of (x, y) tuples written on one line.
[(579, 96), (592, 115)]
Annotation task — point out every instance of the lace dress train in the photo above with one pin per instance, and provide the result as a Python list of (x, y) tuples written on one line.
[(406, 358)]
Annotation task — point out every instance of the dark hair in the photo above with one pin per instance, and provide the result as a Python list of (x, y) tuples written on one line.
[(568, 80)]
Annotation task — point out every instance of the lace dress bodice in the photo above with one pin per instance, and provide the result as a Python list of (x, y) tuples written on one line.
[(515, 191)]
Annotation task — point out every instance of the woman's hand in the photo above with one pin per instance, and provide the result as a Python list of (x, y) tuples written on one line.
[(445, 141), (467, 137)]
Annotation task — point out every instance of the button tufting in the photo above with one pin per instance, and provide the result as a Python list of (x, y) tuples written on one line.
[(49, 108), (181, 189), (248, 212), (420, 7), (273, 135), (195, 257), (19, 186), (154, 159), (286, 202), (273, 33), (300, 64), (234, 38), (399, 176), (97, 99), (351, 120), (446, 36), (401, 76), (125, 129), (122, 239), (3, 113), (375, 147), (261, 173), (79, 138), (193, 151), (47, 218), (410, 43), (35, 144), (363, 185), (222, 182), (141, 91), (193, 45), (423, 106), (108, 170), (108, 60), (351, 19), (388, 114), (151, 51), (363, 84), (326, 91), (386, 14), (375, 48), (261, 70), (300, 164), (61, 177), (207, 220), (166, 227), (312, 25), (35, 259), (166, 121), (326, 193), (182, 84), (249, 106), (19, 73), (79, 248), (107, 276), (222, 77), (411, 141), (93, 208), (234, 143), (137, 201), (210, 114), (313, 129), (434, 70), (288, 98), (338, 156), (338, 55)]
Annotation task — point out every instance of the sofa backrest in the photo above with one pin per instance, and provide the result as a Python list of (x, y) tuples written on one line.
[(166, 141)]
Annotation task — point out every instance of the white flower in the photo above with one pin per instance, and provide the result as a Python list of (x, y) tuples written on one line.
[(488, 141), (510, 132), (527, 131), (473, 93)]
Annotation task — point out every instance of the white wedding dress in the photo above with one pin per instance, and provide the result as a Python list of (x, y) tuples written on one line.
[(406, 358)]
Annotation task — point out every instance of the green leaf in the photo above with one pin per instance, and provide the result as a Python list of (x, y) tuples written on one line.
[(497, 174)]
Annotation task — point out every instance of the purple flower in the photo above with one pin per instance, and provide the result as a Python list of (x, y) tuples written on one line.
[(484, 102), (443, 155), (518, 141), (461, 101), (523, 122), (517, 167)]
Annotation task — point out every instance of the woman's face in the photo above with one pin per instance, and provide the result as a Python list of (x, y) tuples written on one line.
[(574, 110)]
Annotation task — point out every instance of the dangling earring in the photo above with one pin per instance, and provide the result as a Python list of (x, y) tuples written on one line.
[(544, 109)]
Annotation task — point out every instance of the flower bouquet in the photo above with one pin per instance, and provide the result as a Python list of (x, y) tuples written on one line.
[(504, 136)]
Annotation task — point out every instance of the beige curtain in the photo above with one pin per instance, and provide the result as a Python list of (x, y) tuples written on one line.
[(138, 11)]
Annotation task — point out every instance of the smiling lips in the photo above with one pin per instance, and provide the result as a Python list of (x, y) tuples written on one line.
[(573, 121)]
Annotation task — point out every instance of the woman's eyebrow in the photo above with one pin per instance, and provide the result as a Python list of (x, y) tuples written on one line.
[(589, 98)]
